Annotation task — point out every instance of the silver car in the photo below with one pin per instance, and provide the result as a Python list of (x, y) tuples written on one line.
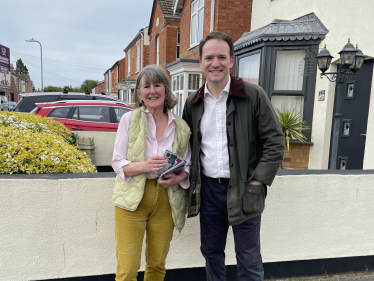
[(4, 105)]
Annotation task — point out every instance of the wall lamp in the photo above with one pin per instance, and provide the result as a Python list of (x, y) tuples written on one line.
[(351, 60)]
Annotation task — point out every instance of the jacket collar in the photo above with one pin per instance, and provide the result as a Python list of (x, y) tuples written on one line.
[(237, 89)]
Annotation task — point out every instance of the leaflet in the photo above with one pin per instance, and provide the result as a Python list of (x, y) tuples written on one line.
[(175, 165)]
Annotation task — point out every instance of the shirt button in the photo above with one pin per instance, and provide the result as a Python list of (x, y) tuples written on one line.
[(231, 144)]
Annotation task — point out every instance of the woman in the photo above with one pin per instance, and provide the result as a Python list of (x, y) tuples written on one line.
[(142, 202)]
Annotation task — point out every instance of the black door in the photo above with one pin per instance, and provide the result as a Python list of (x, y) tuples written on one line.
[(354, 109)]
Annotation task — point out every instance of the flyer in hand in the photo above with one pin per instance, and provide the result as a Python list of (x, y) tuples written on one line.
[(175, 165)]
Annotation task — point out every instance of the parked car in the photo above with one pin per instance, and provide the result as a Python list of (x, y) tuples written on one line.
[(28, 100), (4, 103), (81, 115), (12, 104)]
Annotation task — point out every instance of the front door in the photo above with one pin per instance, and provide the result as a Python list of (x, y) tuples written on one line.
[(354, 109)]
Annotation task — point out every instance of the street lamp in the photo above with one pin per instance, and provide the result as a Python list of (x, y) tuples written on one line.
[(41, 57), (351, 60)]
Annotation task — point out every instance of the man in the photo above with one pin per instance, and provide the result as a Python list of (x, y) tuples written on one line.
[(237, 147)]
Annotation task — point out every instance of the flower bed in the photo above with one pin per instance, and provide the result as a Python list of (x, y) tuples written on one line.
[(33, 144)]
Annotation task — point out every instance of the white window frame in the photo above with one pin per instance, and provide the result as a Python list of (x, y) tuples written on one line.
[(195, 41), (158, 50)]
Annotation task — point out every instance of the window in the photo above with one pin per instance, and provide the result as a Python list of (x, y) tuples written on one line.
[(289, 87), (193, 83), (249, 68), (60, 112), (178, 86), (178, 42), (197, 21), (119, 111), (128, 63), (137, 57), (158, 49), (92, 114)]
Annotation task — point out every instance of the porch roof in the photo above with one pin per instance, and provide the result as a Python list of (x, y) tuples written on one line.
[(304, 28)]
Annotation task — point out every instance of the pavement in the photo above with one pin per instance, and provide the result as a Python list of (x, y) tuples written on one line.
[(360, 276)]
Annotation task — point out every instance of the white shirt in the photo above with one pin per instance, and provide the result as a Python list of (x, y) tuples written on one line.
[(214, 151)]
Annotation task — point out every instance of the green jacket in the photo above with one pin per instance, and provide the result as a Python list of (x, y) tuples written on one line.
[(127, 195), (255, 145)]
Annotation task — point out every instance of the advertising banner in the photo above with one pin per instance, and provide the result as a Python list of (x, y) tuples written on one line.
[(4, 66), (4, 59)]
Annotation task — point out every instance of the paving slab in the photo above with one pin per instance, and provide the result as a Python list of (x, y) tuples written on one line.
[(360, 276)]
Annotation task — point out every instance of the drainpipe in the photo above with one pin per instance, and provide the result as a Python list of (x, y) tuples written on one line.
[(141, 45), (213, 3)]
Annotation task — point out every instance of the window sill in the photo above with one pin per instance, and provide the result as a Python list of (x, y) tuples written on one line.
[(193, 46)]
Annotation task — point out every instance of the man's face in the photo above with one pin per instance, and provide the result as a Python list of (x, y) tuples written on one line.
[(216, 62)]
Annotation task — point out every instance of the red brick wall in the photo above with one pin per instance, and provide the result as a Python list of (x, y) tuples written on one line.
[(231, 16), (167, 31), (100, 88), (297, 157), (114, 79), (122, 68)]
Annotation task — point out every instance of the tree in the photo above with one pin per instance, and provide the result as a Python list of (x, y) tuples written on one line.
[(88, 85), (21, 68)]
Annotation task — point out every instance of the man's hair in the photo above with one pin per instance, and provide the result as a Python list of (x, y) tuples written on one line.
[(219, 36), (154, 73)]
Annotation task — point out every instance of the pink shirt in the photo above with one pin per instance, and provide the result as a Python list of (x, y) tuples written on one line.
[(152, 145)]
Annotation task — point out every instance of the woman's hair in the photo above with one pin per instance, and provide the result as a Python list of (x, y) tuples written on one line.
[(154, 74)]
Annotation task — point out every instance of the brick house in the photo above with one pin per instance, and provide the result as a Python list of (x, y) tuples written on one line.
[(197, 19), (163, 33), (99, 88), (137, 52)]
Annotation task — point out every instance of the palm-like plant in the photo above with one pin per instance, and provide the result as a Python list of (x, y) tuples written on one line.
[(292, 126)]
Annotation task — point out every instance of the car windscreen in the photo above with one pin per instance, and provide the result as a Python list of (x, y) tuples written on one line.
[(28, 103)]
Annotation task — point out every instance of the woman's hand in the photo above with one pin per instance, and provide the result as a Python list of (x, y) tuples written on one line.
[(173, 179), (154, 163)]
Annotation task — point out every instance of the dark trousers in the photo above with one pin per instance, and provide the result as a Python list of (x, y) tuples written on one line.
[(213, 234)]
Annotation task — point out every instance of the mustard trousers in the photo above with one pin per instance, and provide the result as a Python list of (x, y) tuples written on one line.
[(152, 216)]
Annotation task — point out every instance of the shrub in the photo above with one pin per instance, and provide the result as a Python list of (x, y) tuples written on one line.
[(36, 123), (27, 146)]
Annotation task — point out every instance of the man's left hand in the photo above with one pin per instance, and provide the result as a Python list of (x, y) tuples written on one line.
[(255, 182)]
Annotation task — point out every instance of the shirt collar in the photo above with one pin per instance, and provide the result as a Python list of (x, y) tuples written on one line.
[(225, 90), (171, 117), (237, 88)]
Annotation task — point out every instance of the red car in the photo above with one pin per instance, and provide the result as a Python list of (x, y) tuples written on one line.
[(80, 115)]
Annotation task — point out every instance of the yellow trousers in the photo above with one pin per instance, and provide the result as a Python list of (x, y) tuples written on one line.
[(152, 216)]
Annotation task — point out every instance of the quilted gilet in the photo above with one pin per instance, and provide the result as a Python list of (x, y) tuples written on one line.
[(127, 195)]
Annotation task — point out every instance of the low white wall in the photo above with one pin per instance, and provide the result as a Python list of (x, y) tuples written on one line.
[(58, 228), (104, 143)]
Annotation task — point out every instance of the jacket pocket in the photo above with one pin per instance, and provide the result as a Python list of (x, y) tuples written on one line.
[(253, 199)]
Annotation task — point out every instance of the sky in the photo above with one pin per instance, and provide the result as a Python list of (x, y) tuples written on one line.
[(80, 39)]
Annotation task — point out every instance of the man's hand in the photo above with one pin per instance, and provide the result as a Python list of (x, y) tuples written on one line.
[(173, 179), (255, 182)]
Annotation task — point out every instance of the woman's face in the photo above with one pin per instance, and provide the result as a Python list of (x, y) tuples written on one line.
[(153, 94)]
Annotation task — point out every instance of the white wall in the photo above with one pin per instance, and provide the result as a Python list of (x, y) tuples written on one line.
[(344, 19), (60, 228)]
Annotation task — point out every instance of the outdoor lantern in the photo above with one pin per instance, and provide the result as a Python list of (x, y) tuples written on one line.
[(324, 59), (347, 55), (359, 60)]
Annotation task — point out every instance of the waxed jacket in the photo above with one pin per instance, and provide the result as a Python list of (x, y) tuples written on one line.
[(255, 145)]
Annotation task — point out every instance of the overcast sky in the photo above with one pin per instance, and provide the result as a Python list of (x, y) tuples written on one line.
[(81, 39)]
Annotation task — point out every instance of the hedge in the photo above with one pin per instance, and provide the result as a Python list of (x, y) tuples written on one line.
[(32, 144)]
